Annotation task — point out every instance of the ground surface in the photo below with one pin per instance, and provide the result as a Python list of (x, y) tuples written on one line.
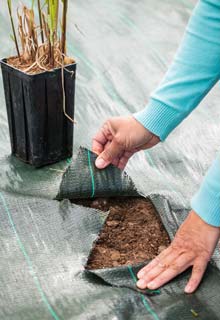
[(132, 232)]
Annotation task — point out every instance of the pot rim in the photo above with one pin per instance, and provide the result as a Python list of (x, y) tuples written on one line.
[(4, 62)]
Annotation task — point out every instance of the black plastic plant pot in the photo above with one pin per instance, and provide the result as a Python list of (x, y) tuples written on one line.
[(40, 132)]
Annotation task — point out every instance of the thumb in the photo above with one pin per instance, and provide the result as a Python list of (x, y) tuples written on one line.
[(108, 155)]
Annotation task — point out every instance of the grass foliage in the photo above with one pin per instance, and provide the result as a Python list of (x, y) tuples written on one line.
[(40, 39)]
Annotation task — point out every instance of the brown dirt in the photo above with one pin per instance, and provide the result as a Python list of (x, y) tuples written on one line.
[(132, 233), (24, 66)]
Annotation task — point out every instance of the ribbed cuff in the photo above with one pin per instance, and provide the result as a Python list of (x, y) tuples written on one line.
[(206, 202), (159, 118)]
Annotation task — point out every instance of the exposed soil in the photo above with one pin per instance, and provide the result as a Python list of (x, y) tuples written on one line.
[(132, 233)]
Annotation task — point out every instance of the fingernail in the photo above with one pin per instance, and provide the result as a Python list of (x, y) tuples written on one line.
[(100, 163), (140, 274), (188, 288), (141, 284), (151, 285)]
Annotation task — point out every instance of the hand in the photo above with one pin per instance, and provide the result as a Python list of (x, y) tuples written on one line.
[(118, 139), (193, 245)]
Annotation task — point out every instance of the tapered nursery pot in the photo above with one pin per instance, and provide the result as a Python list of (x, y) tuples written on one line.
[(40, 133)]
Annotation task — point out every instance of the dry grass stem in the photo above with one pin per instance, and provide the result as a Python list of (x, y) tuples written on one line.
[(40, 47)]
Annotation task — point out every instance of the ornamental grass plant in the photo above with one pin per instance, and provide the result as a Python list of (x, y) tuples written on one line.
[(39, 34)]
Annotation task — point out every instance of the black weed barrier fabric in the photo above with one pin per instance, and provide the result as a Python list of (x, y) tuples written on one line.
[(83, 180), (122, 49), (45, 244)]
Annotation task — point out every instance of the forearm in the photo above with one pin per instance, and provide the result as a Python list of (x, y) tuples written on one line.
[(194, 71), (206, 202)]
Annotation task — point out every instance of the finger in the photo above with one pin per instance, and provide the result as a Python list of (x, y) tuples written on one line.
[(124, 160), (181, 264), (154, 262), (122, 163), (159, 268), (97, 147), (113, 151), (120, 153), (196, 277), (115, 162), (100, 139)]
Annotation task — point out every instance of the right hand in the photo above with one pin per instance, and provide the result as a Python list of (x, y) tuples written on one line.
[(118, 139)]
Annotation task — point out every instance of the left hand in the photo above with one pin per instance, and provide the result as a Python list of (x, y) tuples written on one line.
[(193, 245)]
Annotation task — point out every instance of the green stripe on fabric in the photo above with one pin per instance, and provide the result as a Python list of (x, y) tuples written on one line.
[(143, 298), (28, 260), (91, 174), (135, 280), (69, 160)]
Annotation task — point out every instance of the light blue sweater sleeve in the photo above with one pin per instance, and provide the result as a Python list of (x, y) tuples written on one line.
[(194, 71), (207, 200)]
